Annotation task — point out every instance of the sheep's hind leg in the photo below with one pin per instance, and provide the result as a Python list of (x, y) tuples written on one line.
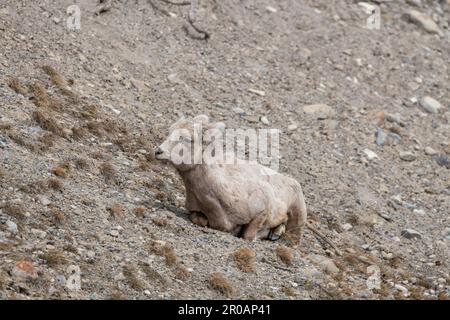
[(198, 218), (251, 229)]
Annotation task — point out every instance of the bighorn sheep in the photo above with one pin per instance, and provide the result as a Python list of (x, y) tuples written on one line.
[(247, 200)]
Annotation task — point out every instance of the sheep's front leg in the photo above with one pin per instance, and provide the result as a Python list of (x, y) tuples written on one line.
[(251, 229), (198, 218), (277, 232)]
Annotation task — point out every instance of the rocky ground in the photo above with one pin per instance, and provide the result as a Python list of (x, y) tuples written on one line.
[(87, 213)]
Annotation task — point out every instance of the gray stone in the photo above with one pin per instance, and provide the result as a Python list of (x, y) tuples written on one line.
[(407, 156), (411, 234), (381, 137), (442, 160), (60, 280), (396, 118)]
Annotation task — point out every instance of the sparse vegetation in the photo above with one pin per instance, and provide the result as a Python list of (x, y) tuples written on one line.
[(46, 122), (170, 255), (56, 78), (182, 273), (40, 96), (14, 83), (116, 211), (160, 222), (108, 172), (55, 184), (57, 215), (53, 258), (288, 290), (154, 275), (139, 211), (59, 171), (132, 279), (245, 259), (15, 210), (218, 282), (163, 249), (285, 254)]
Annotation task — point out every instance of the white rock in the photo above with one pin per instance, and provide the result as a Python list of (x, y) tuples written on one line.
[(114, 233), (292, 127), (264, 120), (11, 226), (258, 92), (320, 108), (324, 262), (430, 105), (347, 227), (401, 288), (425, 22), (370, 154), (271, 9), (44, 200), (430, 151)]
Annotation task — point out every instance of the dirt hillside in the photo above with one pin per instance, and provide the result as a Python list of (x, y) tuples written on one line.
[(87, 213)]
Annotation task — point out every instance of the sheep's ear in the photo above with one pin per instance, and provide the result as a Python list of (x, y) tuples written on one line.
[(203, 119)]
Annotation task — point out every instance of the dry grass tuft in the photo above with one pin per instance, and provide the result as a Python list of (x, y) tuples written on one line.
[(14, 210), (53, 258), (59, 171), (288, 290), (14, 83), (165, 250), (79, 132), (70, 248), (108, 171), (245, 259), (36, 187), (116, 211), (5, 126), (154, 275), (47, 140), (56, 78), (57, 215), (182, 273), (139, 211), (40, 95), (170, 255), (81, 163), (130, 275), (47, 123), (117, 295), (89, 111), (17, 138), (55, 184), (218, 282), (160, 222), (285, 254)]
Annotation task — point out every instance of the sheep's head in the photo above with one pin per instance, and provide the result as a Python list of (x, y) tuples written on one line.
[(185, 143)]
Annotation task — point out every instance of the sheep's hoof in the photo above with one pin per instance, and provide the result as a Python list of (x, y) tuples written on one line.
[(277, 232), (199, 219)]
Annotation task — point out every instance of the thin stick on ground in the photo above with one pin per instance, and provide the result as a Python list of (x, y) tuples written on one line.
[(191, 18), (182, 3), (324, 238)]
